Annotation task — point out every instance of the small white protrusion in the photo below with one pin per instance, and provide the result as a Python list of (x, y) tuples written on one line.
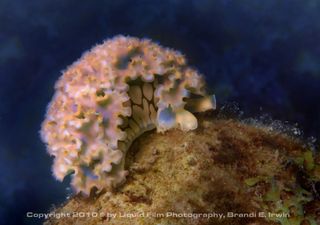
[(186, 120), (148, 77)]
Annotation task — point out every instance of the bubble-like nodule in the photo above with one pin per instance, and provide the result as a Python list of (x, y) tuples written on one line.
[(167, 118)]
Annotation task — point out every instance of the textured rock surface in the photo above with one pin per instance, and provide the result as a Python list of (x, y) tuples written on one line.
[(223, 166)]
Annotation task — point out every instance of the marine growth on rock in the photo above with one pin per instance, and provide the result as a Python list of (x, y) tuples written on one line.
[(109, 97)]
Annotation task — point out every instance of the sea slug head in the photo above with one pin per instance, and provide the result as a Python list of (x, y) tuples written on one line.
[(109, 97)]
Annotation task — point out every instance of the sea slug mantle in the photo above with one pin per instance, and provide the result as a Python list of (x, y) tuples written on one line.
[(109, 97)]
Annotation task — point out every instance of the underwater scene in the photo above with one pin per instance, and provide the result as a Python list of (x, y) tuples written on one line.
[(159, 112)]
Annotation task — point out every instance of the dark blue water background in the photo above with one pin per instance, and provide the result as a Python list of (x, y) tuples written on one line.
[(263, 55)]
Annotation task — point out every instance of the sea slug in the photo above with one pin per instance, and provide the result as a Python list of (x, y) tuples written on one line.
[(109, 97)]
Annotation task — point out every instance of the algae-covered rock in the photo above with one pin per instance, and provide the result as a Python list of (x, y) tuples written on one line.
[(224, 172)]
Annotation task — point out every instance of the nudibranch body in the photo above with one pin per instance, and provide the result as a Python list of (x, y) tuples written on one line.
[(109, 97)]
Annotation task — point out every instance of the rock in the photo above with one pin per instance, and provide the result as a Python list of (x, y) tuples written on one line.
[(233, 172)]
